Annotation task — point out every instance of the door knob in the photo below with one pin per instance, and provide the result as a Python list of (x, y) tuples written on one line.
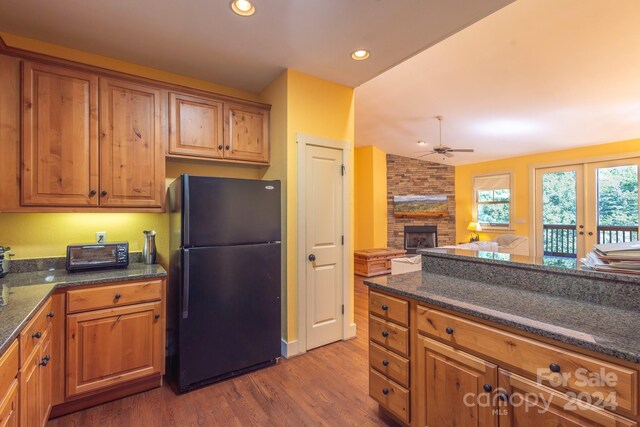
[(312, 257)]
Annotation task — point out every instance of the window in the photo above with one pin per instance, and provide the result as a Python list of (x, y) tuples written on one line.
[(493, 200)]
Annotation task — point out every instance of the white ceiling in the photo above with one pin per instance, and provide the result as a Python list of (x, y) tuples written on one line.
[(537, 75), (204, 39)]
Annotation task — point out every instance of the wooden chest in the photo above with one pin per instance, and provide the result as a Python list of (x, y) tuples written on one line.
[(375, 262)]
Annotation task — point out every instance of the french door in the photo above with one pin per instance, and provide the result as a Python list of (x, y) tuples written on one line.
[(578, 206)]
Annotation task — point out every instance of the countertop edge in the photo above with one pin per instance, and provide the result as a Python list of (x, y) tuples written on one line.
[(591, 346)]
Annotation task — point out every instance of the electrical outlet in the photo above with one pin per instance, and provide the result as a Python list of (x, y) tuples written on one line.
[(101, 237)]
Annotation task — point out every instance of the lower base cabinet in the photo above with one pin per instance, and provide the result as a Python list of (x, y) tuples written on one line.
[(113, 346), (9, 415), (35, 385), (455, 388)]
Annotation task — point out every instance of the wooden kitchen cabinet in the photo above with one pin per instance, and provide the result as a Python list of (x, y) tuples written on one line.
[(9, 415), (59, 136), (527, 403), (246, 133), (195, 125), (9, 366), (131, 151), (450, 385), (113, 346), (36, 385)]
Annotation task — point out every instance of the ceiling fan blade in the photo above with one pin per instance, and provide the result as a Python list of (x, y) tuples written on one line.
[(448, 154), (426, 154), (463, 150)]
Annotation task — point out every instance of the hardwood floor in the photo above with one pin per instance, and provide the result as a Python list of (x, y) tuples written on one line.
[(326, 387)]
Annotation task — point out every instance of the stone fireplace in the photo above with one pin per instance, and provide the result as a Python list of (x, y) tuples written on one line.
[(420, 237)]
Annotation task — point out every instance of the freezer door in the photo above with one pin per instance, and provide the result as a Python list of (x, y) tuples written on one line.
[(225, 211), (229, 312)]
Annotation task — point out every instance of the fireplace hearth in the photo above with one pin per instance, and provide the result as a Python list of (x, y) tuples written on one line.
[(420, 237)]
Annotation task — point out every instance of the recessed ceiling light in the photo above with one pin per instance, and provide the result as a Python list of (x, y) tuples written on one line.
[(243, 7), (422, 142), (360, 55)]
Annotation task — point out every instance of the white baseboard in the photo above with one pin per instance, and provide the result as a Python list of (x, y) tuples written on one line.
[(289, 349), (350, 332)]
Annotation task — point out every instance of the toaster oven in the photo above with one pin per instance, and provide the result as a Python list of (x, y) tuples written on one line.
[(97, 256)]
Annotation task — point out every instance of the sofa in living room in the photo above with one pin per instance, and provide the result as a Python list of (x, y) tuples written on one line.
[(505, 243)]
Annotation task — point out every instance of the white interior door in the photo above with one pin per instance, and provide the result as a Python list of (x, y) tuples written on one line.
[(324, 249)]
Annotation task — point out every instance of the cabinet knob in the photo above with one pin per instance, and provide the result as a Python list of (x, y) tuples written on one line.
[(554, 367), (385, 307), (487, 387), (117, 296), (103, 193), (385, 391), (227, 147), (385, 334), (312, 257), (37, 335), (157, 316), (51, 314), (504, 397), (385, 362), (93, 193), (449, 331), (219, 147), (44, 362)]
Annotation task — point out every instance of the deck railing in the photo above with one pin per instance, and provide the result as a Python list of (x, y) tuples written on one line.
[(561, 239)]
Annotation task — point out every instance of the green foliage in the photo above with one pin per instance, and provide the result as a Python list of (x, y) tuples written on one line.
[(493, 207), (618, 196)]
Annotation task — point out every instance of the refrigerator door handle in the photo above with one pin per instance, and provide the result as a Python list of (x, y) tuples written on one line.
[(185, 285), (186, 211)]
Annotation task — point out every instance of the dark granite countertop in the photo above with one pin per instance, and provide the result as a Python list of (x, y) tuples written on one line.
[(24, 293), (605, 329)]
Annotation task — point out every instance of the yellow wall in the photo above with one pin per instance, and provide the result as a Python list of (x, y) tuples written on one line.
[(370, 165), (519, 166)]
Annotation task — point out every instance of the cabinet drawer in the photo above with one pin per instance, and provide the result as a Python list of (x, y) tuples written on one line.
[(390, 395), (389, 335), (33, 333), (9, 406), (389, 364), (582, 374), (389, 308), (8, 368), (113, 296)]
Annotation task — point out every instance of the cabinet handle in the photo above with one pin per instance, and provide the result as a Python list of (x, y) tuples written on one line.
[(47, 357), (103, 193), (385, 307), (385, 391), (44, 362), (220, 147), (385, 334), (92, 193), (117, 296), (227, 147), (385, 362), (449, 331), (157, 316), (51, 314), (554, 367), (504, 397), (487, 387), (37, 335)]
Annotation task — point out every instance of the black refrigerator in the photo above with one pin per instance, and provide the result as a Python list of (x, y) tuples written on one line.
[(224, 280)]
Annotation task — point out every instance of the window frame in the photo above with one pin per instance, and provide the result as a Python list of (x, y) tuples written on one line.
[(486, 226)]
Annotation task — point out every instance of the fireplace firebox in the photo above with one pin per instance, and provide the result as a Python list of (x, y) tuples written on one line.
[(420, 237)]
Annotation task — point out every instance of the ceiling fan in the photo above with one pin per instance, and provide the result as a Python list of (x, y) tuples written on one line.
[(443, 149)]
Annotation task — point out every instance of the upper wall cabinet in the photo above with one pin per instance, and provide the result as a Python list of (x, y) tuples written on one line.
[(131, 154), (197, 130), (59, 136), (195, 126), (246, 133)]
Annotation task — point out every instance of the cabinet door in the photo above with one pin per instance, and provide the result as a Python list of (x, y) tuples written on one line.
[(60, 136), (196, 126), (246, 133), (45, 378), (527, 403), (113, 346), (9, 407), (29, 393), (131, 154), (452, 387)]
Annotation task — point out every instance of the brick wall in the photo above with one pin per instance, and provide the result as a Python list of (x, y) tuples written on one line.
[(406, 176)]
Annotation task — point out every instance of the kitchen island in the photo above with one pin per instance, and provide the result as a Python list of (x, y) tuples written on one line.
[(492, 325)]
